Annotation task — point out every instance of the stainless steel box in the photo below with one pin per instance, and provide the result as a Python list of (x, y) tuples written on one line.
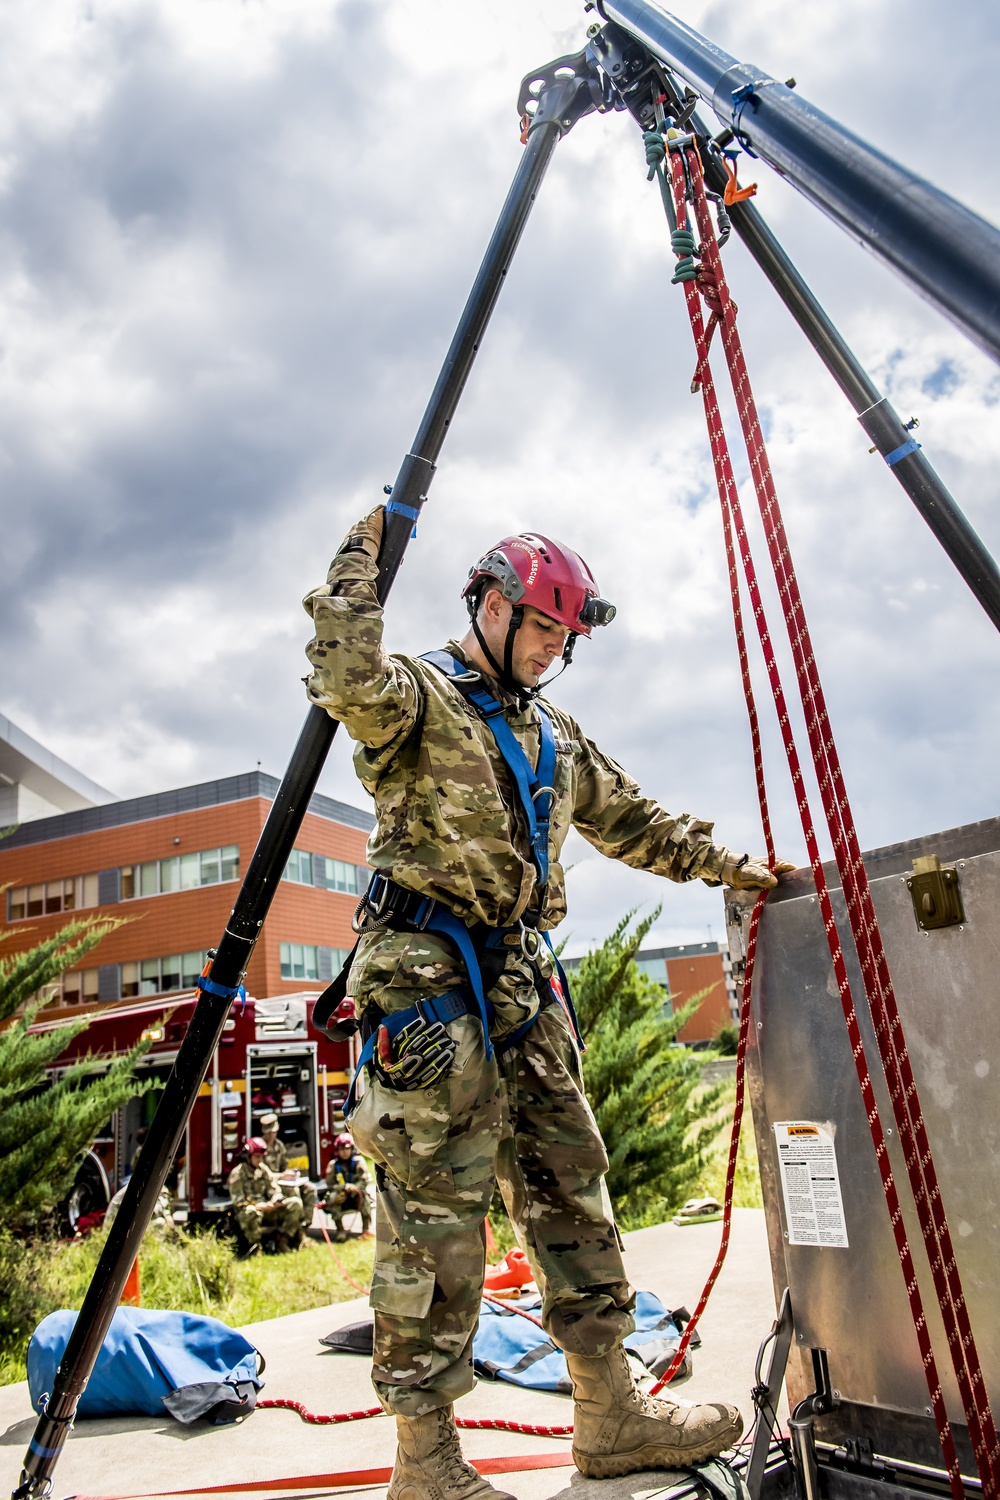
[(851, 1300)]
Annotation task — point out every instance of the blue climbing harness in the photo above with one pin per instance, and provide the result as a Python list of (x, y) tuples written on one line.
[(534, 788), (535, 792)]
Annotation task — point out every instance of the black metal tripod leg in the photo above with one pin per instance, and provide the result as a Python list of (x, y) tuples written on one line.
[(558, 107), (875, 412)]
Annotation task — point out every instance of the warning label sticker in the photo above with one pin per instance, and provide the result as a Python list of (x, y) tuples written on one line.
[(810, 1184)]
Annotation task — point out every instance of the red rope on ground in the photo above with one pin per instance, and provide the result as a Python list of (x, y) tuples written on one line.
[(491, 1424), (498, 1424), (878, 986), (522, 1312), (321, 1419)]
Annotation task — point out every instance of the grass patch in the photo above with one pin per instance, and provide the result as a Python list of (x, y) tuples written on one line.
[(712, 1182), (191, 1273)]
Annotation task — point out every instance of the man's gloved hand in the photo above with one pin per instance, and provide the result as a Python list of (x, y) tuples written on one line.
[(746, 872), (365, 535)]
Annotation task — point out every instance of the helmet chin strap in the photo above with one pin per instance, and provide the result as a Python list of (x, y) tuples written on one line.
[(505, 673), (567, 658)]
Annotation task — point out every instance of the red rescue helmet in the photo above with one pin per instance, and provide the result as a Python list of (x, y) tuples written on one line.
[(342, 1141), (256, 1146), (532, 569)]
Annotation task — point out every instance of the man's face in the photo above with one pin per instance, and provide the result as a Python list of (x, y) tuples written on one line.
[(256, 1157), (537, 644), (344, 1152), (270, 1133)]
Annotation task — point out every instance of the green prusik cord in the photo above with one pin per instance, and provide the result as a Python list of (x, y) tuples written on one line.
[(682, 240)]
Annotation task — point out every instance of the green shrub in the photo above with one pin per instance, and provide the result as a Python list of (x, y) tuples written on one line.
[(726, 1039), (45, 1127), (657, 1119)]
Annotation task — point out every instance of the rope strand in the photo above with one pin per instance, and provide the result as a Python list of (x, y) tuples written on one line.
[(686, 176)]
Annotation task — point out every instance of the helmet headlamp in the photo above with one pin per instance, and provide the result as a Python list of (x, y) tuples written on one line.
[(597, 611)]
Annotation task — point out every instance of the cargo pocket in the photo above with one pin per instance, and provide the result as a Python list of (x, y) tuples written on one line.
[(402, 1291)]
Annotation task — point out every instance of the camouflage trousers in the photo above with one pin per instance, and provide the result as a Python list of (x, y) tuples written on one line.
[(349, 1200), (286, 1217), (523, 1122)]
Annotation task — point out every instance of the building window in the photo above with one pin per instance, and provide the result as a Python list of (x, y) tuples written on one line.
[(160, 976), (329, 874), (75, 987), (299, 961), (52, 897), (303, 961), (182, 872)]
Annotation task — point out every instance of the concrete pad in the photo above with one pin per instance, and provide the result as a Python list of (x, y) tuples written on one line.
[(136, 1455)]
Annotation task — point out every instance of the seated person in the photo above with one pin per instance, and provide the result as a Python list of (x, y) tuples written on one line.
[(277, 1159), (259, 1203), (347, 1186)]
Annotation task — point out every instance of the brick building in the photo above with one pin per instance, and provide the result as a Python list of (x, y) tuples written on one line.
[(170, 864), (685, 969)]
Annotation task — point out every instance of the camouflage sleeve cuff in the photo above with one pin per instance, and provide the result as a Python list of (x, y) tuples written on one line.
[(712, 864), (350, 574)]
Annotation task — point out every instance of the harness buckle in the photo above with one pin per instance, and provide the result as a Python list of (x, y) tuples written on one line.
[(423, 913), (370, 911), (531, 943)]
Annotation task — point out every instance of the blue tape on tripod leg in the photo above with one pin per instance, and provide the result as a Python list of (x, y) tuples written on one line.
[(901, 451), (396, 508), (224, 991)]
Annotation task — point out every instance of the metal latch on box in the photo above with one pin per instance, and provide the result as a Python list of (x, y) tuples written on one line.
[(937, 898)]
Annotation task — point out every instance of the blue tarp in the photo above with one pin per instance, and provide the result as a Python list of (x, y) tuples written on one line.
[(509, 1347), (151, 1361)]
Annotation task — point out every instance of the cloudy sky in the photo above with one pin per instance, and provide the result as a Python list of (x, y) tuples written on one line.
[(234, 241)]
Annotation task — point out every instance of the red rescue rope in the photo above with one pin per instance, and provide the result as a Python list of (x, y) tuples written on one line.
[(342, 1269), (688, 184), (473, 1424)]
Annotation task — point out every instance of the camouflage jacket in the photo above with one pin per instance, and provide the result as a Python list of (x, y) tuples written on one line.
[(277, 1156), (249, 1184), (351, 1173), (449, 824)]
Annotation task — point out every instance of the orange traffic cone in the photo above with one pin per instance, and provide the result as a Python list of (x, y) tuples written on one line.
[(131, 1295)]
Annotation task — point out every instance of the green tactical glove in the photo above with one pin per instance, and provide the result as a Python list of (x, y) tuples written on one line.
[(744, 872)]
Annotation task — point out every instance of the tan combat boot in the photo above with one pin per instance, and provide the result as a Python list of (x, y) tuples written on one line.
[(617, 1430), (429, 1463)]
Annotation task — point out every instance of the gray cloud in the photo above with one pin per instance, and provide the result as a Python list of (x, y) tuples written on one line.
[(232, 251)]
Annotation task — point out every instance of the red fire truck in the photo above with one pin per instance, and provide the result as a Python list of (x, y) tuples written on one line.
[(269, 1059)]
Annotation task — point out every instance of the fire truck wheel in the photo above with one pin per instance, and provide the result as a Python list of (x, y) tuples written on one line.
[(88, 1195)]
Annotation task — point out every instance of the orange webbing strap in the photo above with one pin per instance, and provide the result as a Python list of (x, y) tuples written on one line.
[(902, 1088), (348, 1479)]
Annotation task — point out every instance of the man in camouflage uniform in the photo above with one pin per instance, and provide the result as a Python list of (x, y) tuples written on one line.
[(277, 1159), (450, 826), (347, 1186), (259, 1202)]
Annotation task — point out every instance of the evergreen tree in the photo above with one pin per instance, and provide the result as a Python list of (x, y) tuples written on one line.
[(656, 1119), (45, 1128)]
